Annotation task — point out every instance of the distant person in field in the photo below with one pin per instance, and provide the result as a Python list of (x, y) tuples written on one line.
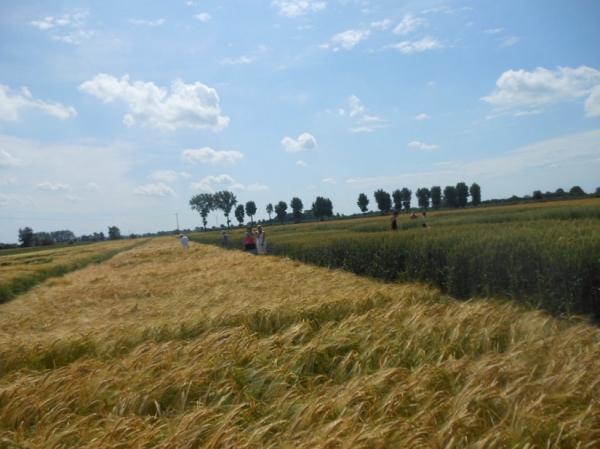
[(424, 214), (184, 241), (395, 221), (249, 242), (413, 216), (425, 225), (225, 239), (261, 241)]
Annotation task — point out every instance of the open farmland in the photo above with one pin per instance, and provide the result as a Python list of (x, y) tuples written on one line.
[(22, 269), (545, 255), (161, 347)]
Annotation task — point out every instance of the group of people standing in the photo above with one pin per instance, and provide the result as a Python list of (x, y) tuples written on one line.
[(255, 243)]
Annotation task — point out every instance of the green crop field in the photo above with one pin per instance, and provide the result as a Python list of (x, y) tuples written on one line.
[(544, 255)]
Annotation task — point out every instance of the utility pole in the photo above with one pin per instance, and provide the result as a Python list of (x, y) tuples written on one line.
[(177, 218)]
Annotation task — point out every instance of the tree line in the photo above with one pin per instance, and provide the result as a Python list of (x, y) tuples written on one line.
[(28, 238), (451, 196), (204, 203)]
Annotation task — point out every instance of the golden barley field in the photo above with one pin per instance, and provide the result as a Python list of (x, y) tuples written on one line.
[(162, 347)]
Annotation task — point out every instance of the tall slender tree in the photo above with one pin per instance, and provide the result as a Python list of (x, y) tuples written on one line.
[(297, 207), (436, 196), (226, 201), (475, 192), (397, 197), (204, 203), (423, 196), (251, 211), (462, 194), (363, 203), (406, 198), (384, 201), (269, 211), (281, 211), (450, 196), (239, 213)]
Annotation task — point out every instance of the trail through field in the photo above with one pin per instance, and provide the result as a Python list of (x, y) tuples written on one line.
[(169, 347)]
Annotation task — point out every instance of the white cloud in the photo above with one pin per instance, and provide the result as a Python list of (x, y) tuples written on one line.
[(159, 189), (9, 180), (73, 198), (422, 146), (164, 175), (257, 187), (592, 104), (295, 8), (150, 23), (356, 106), (302, 163), (8, 160), (509, 41), (408, 47), (12, 102), (383, 24), (408, 24), (53, 187), (187, 106), (69, 28), (203, 17), (350, 38), (329, 181), (422, 117), (519, 88), (207, 155), (305, 142), (492, 31), (236, 61), (93, 187), (206, 184), (364, 122)]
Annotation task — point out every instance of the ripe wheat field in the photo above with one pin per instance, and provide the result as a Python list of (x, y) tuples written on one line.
[(161, 347)]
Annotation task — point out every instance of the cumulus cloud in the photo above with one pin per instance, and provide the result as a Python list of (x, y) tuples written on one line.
[(408, 47), (329, 181), (160, 190), (302, 163), (203, 17), (69, 28), (8, 160), (187, 106), (257, 187), (206, 184), (295, 8), (305, 142), (408, 24), (421, 145), (349, 39), (422, 117), (520, 88), (12, 102), (207, 155), (53, 187)]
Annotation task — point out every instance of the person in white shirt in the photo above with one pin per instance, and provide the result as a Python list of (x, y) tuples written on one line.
[(184, 241), (261, 241)]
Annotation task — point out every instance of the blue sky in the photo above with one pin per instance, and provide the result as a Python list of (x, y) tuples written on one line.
[(117, 113)]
